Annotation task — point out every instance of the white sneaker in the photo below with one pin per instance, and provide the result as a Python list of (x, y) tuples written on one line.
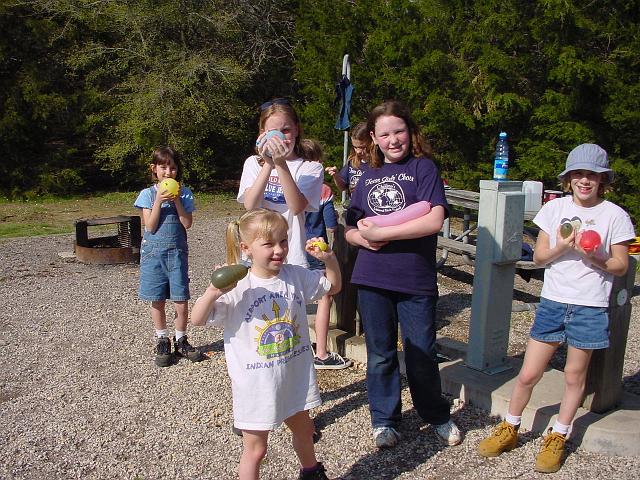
[(386, 437), (449, 432)]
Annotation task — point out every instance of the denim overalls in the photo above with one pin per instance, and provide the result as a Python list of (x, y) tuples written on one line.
[(164, 267)]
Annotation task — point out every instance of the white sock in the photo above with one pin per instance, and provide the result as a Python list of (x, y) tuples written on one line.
[(162, 333), (561, 428), (180, 334), (513, 419)]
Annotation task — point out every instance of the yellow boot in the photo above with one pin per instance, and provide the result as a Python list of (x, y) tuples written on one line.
[(550, 456), (503, 439)]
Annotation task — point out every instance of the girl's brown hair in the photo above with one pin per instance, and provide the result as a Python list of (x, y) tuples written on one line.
[(419, 147), (164, 156), (254, 223), (311, 150), (361, 134)]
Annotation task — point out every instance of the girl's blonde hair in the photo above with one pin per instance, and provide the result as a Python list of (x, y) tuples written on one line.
[(361, 134), (419, 147), (255, 223)]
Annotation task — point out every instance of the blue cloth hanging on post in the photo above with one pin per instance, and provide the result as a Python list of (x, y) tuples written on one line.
[(344, 92)]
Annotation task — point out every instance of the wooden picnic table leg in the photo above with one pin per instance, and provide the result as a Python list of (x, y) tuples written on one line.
[(603, 391)]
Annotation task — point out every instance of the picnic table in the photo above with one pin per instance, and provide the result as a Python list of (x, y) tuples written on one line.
[(463, 243)]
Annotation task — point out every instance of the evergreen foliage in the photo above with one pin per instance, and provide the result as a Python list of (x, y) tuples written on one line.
[(553, 74), (89, 88)]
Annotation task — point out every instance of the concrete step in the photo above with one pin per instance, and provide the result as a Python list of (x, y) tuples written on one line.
[(616, 432)]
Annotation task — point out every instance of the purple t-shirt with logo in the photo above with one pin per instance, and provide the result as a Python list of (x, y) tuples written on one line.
[(351, 175), (406, 266)]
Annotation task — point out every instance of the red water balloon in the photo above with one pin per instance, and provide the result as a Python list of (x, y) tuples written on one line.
[(590, 240)]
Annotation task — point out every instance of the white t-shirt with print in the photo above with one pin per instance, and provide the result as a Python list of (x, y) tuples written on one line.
[(267, 345), (571, 278), (308, 177)]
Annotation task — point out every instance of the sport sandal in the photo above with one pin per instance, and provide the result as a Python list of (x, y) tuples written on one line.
[(318, 474)]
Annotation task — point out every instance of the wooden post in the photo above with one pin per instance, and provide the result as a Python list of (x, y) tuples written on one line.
[(604, 377), (343, 311), (136, 231), (82, 235)]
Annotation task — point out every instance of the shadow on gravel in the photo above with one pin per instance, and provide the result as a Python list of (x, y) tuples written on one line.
[(631, 383), (451, 304), (354, 396), (419, 444), (208, 349)]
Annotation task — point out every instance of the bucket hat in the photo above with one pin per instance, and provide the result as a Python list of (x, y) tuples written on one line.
[(588, 156)]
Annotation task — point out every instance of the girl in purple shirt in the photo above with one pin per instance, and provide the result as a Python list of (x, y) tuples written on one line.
[(396, 273)]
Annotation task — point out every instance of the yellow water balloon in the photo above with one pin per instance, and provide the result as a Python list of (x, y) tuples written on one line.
[(321, 245), (169, 185)]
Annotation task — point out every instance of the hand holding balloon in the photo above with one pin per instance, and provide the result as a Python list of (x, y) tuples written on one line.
[(260, 143), (228, 275), (170, 186), (321, 245), (413, 211), (566, 229), (317, 247)]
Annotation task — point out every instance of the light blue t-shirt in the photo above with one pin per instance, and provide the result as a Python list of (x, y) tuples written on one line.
[(147, 196)]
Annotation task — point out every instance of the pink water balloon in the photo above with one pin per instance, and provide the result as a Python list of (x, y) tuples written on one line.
[(413, 211)]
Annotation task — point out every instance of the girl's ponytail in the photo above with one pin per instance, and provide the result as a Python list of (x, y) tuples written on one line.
[(233, 242)]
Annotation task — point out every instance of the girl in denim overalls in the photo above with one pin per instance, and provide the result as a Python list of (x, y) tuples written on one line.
[(164, 255)]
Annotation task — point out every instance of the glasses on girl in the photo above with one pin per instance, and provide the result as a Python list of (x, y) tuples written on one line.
[(275, 101)]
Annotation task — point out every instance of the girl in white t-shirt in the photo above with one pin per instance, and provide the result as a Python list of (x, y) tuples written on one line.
[(280, 177), (266, 337), (575, 295)]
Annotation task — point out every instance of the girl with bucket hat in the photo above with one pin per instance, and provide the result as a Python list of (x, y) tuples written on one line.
[(582, 244)]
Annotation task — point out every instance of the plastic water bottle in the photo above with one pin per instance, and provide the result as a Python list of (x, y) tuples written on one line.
[(501, 161)]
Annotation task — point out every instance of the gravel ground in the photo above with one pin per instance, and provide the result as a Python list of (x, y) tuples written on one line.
[(80, 396)]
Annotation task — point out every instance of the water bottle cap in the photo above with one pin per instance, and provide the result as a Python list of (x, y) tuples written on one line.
[(503, 135)]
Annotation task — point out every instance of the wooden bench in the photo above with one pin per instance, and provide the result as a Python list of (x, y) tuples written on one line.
[(469, 249)]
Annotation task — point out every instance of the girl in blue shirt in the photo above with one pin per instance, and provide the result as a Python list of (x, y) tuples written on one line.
[(164, 255)]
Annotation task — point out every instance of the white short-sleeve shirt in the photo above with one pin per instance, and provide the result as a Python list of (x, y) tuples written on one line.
[(308, 177), (267, 345), (571, 278)]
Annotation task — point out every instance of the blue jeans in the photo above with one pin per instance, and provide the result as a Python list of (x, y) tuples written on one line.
[(381, 310), (581, 327)]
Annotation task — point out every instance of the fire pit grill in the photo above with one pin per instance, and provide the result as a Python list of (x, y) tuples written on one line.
[(122, 247)]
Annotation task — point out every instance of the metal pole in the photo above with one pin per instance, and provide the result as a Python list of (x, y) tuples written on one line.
[(346, 70)]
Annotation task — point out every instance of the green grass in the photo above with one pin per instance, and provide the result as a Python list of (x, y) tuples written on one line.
[(51, 215)]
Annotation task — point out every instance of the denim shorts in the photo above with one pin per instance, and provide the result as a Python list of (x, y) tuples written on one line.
[(164, 272), (581, 327)]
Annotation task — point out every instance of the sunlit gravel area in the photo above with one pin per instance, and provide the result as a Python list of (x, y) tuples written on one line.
[(81, 397)]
